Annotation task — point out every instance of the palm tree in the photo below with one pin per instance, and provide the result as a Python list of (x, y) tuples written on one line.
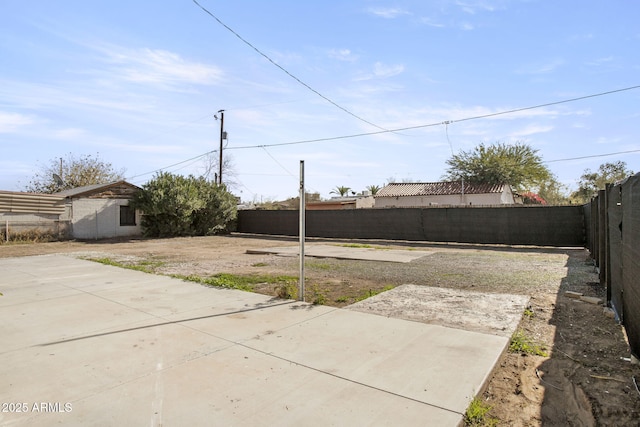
[(341, 190), (373, 189)]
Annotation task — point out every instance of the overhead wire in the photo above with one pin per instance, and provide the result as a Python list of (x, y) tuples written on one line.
[(548, 104), (446, 123), (277, 162), (264, 55), (170, 166), (592, 156), (446, 130)]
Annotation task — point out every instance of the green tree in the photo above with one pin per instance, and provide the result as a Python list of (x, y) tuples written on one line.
[(174, 205), (590, 182), (517, 164), (553, 192), (70, 172), (341, 190), (373, 189)]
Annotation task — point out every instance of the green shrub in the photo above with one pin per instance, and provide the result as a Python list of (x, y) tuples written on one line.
[(174, 205)]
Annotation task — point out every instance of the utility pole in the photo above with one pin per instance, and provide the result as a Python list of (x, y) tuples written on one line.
[(223, 136)]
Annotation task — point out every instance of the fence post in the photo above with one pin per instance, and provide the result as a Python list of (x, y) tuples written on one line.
[(602, 236), (7, 230)]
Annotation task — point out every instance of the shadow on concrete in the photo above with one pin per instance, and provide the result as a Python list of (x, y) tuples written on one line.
[(259, 306)]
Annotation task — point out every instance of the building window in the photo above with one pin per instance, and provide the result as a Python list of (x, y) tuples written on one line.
[(127, 215)]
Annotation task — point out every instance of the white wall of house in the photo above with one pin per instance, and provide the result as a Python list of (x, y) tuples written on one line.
[(100, 218), (365, 202), (449, 199)]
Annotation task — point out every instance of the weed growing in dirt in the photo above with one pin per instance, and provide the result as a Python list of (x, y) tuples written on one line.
[(362, 246), (287, 291), (234, 281), (476, 414), (355, 245), (145, 266), (528, 312), (227, 281), (317, 296), (520, 343), (29, 236), (342, 300), (318, 265), (259, 264), (370, 293)]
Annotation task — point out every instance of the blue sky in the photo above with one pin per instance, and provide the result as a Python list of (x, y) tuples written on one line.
[(139, 82)]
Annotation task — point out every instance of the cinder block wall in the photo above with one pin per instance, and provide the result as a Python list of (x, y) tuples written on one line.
[(517, 225), (100, 218)]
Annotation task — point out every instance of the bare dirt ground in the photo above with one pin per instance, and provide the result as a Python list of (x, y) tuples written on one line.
[(586, 379)]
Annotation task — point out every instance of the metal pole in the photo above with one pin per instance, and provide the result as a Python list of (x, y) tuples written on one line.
[(7, 230), (221, 139), (302, 231)]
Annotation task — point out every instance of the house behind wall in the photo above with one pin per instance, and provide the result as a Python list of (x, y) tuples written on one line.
[(424, 194)]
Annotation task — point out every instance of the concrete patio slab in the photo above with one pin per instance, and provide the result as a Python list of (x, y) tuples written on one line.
[(88, 344), (496, 314), (345, 252)]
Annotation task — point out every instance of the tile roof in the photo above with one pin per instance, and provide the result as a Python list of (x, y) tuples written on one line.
[(437, 189)]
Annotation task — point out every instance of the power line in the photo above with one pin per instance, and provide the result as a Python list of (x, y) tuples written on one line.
[(170, 166), (592, 156), (484, 116), (279, 164), (446, 123), (264, 55)]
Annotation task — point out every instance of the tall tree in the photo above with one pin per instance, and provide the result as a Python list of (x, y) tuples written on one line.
[(341, 190), (553, 192), (517, 164), (211, 169), (590, 182), (65, 173), (373, 189)]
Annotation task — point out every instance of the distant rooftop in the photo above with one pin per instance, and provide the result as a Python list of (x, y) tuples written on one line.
[(437, 189)]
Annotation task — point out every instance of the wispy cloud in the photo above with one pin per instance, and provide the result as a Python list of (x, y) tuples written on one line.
[(342, 55), (604, 64), (70, 134), (581, 37), (158, 67), (472, 7), (388, 13), (431, 22), (542, 68), (381, 71), (601, 61), (532, 129), (11, 122), (466, 26)]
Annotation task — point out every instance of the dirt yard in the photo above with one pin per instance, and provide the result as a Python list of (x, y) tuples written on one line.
[(584, 378)]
